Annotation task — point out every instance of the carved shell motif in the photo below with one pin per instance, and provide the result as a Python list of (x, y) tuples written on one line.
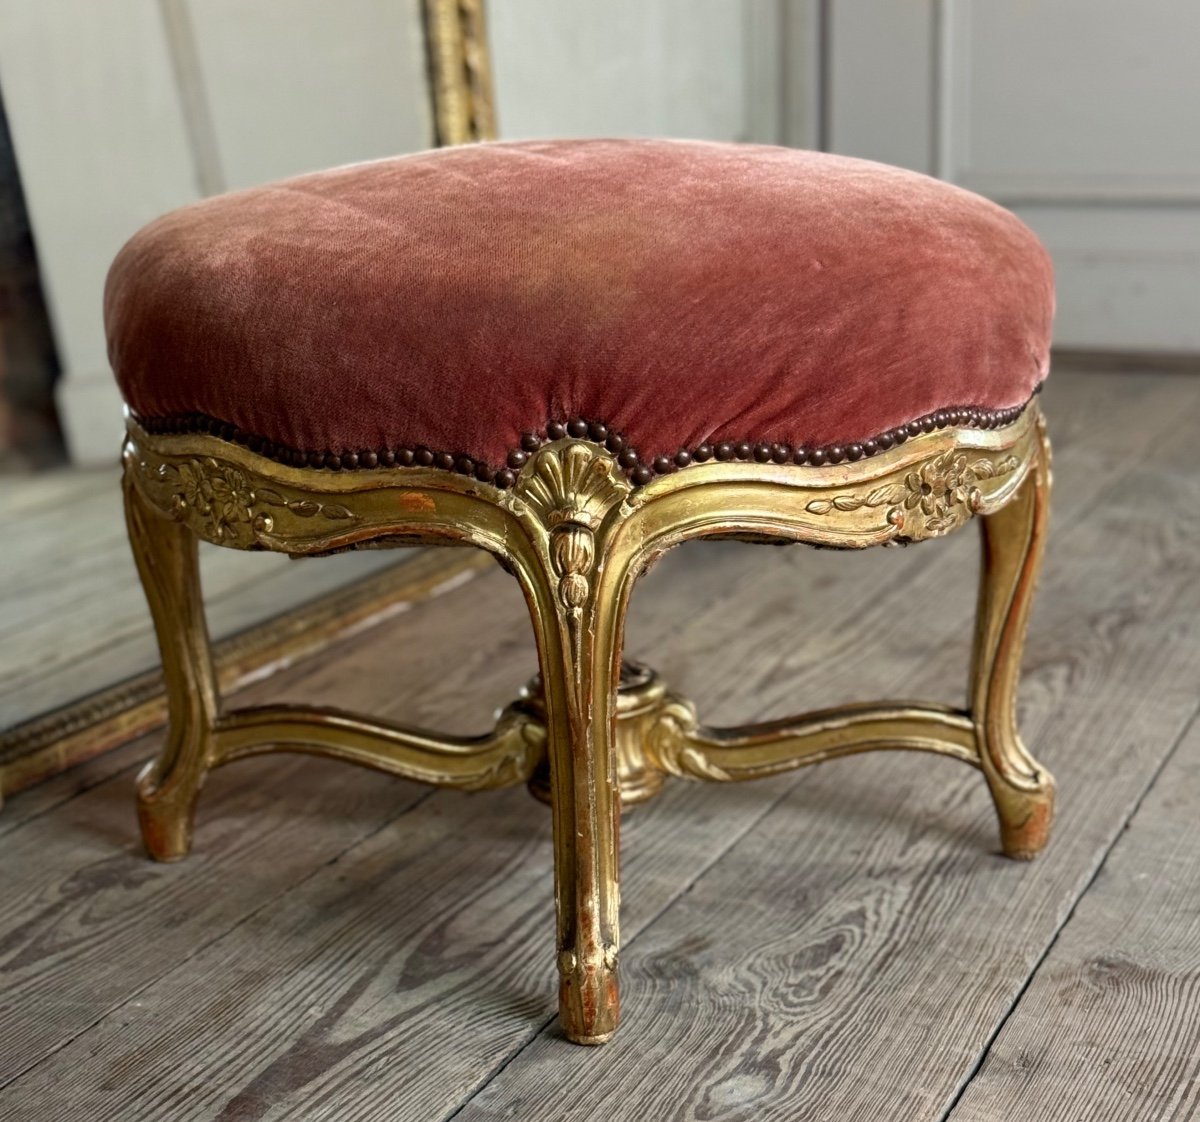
[(571, 482), (941, 493), (570, 486)]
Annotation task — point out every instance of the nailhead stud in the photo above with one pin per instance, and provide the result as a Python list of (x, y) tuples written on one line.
[(598, 431)]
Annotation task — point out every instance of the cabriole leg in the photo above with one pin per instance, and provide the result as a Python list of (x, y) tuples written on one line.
[(579, 628), (1013, 543), (167, 561)]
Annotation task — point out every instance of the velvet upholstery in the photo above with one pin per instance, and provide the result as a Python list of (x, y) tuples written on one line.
[(678, 291)]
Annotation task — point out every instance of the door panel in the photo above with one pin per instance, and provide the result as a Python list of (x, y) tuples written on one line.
[(1081, 115)]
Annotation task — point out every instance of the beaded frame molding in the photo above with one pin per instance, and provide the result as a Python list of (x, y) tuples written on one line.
[(576, 524)]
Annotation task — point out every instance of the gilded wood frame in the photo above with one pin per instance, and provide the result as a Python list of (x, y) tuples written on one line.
[(460, 71), (576, 533)]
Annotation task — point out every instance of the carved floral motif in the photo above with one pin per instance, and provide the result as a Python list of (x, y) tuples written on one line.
[(223, 504), (942, 492)]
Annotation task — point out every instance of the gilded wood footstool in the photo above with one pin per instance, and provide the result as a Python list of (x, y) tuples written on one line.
[(576, 355)]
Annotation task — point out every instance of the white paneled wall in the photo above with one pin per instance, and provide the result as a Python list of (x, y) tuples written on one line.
[(294, 85), (621, 68), (1081, 115), (102, 147), (122, 109)]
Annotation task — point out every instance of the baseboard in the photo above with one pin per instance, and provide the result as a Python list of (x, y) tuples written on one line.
[(1157, 362)]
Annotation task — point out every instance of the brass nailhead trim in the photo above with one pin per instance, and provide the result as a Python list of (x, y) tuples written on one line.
[(638, 471)]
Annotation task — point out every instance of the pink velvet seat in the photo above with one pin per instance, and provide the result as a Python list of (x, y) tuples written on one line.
[(685, 299)]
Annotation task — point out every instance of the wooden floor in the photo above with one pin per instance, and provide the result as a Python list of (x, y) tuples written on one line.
[(838, 945), (73, 619)]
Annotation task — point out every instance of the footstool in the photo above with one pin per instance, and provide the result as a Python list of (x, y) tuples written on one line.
[(576, 355)]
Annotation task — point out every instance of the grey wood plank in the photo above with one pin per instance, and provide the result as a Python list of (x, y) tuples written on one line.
[(425, 666), (851, 957), (427, 947), (87, 921), (67, 785), (1109, 1029), (72, 616), (385, 975)]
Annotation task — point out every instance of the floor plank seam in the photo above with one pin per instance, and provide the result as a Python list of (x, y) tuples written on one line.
[(21, 823), (1123, 826), (200, 947)]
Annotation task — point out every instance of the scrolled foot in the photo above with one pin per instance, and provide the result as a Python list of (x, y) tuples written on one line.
[(165, 817), (1026, 818), (589, 999)]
